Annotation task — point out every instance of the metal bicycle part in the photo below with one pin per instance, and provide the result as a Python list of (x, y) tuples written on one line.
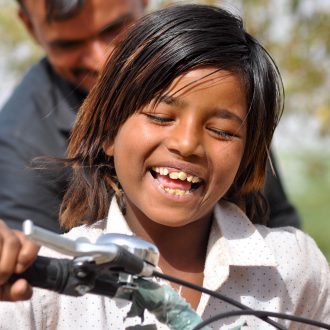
[(108, 248), (139, 247)]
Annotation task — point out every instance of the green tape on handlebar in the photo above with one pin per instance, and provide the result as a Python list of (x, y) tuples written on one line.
[(166, 304)]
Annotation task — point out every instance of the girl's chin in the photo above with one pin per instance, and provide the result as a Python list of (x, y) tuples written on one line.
[(170, 217)]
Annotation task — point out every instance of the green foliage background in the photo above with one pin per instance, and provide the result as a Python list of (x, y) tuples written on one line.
[(302, 52)]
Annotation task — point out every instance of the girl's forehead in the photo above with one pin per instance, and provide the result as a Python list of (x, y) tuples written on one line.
[(210, 91), (202, 78)]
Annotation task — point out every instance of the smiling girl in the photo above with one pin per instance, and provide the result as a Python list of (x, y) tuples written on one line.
[(175, 138)]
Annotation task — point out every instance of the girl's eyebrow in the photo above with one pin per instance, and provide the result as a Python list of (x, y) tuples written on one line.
[(172, 100), (221, 113), (227, 114)]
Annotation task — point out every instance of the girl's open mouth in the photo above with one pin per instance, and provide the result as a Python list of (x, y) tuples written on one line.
[(175, 182)]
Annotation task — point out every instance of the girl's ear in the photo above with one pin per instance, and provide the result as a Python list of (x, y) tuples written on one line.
[(108, 148)]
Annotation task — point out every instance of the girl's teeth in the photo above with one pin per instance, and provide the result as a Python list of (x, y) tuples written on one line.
[(163, 171), (177, 175), (174, 175), (182, 176), (176, 192), (195, 180)]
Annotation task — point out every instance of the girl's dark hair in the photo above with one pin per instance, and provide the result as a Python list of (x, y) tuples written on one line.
[(157, 49)]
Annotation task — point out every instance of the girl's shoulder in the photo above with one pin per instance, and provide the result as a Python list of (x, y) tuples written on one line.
[(296, 252), (288, 238), (288, 245), (304, 269), (284, 242)]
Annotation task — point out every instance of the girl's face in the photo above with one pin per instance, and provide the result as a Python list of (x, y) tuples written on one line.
[(175, 160)]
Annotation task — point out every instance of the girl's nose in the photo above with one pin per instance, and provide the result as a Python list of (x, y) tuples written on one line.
[(186, 139)]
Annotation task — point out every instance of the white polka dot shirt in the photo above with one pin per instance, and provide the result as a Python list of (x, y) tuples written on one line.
[(279, 270)]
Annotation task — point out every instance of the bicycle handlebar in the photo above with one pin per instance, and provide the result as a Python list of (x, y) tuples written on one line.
[(73, 278), (62, 276), (47, 273)]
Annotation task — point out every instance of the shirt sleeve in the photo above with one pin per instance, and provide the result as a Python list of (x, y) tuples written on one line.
[(305, 273), (317, 285)]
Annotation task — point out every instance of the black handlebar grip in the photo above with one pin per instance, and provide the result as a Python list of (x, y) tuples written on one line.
[(47, 273), (129, 262)]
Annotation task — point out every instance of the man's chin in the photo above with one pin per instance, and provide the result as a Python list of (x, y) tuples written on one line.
[(84, 81)]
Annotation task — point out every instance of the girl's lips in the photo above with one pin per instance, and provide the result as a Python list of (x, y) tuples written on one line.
[(175, 173), (174, 177), (173, 188)]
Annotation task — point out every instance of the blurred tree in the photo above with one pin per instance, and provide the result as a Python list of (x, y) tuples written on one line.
[(297, 35), (17, 48)]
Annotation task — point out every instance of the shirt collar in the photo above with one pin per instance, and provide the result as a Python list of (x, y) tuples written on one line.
[(246, 246), (116, 222), (233, 241)]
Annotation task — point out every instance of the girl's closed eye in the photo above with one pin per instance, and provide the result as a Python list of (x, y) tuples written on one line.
[(160, 114), (223, 134), (161, 119)]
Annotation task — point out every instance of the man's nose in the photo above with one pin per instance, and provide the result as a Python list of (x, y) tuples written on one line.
[(186, 139), (95, 54)]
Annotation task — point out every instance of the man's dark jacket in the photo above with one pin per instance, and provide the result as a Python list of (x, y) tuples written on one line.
[(36, 121)]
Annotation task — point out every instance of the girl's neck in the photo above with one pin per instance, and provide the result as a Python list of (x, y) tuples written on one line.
[(181, 248)]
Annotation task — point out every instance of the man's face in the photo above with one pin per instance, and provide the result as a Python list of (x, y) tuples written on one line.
[(78, 47)]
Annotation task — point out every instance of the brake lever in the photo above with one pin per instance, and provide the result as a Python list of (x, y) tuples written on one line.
[(75, 248), (106, 249)]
